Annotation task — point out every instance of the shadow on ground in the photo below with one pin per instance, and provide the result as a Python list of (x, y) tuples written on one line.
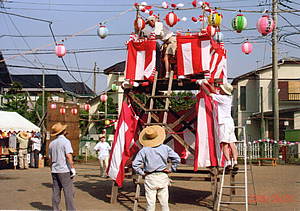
[(97, 189), (40, 206)]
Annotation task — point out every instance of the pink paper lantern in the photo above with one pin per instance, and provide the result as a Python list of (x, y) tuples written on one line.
[(171, 19), (60, 50), (62, 110), (247, 47), (53, 106), (74, 111), (87, 107), (211, 30), (280, 142), (103, 97), (296, 142), (265, 25)]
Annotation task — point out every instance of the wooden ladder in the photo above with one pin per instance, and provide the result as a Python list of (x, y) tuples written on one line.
[(163, 124), (152, 101)]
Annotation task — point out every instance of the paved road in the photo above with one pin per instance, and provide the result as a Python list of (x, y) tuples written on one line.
[(31, 190)]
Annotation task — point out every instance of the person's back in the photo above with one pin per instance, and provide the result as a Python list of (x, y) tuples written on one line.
[(58, 149)]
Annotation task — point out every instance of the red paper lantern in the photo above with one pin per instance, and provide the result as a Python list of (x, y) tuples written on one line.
[(74, 111), (62, 110), (211, 30), (53, 106), (139, 24), (171, 19), (87, 107), (265, 25), (103, 97), (247, 47), (60, 50)]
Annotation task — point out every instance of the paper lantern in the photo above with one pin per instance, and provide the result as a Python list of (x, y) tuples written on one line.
[(211, 30), (103, 97), (239, 23), (107, 122), (165, 5), (171, 19), (74, 111), (214, 19), (265, 25), (102, 32), (247, 47), (114, 87), (139, 24), (218, 37), (194, 3), (53, 106), (87, 107), (60, 50), (62, 110)]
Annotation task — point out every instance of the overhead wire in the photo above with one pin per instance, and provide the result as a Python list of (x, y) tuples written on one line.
[(92, 27)]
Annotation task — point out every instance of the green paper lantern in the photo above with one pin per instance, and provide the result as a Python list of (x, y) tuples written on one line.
[(114, 87), (239, 23)]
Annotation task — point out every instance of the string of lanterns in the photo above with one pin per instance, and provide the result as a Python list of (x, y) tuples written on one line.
[(271, 141), (264, 25)]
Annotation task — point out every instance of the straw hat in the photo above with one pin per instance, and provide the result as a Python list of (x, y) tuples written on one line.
[(101, 136), (152, 136), (227, 88), (24, 135), (151, 17), (58, 128)]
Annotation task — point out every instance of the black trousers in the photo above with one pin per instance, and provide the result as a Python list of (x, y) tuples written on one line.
[(36, 158)]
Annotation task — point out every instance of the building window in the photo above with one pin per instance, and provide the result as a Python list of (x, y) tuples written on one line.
[(243, 97), (289, 90)]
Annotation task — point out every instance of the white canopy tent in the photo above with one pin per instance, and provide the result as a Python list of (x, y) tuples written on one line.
[(14, 122)]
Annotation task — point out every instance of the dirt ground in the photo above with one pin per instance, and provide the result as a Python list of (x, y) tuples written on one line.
[(277, 188)]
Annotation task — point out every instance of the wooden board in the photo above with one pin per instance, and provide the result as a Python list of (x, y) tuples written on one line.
[(54, 116)]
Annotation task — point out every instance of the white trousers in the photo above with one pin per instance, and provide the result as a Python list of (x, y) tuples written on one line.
[(157, 183), (103, 166)]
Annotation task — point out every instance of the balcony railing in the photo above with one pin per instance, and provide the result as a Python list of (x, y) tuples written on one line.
[(294, 96)]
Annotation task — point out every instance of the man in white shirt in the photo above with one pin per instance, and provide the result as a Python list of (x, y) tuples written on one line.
[(36, 148), (102, 147), (225, 121), (168, 38)]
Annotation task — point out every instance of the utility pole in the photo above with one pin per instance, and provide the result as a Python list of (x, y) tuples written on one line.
[(95, 79), (43, 98), (275, 74)]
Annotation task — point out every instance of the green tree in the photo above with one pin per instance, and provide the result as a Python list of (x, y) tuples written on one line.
[(14, 99), (39, 107)]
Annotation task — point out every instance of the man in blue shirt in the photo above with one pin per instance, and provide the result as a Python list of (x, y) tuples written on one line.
[(154, 156), (62, 167)]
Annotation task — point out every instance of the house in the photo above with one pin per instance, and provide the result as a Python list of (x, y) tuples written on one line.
[(253, 98), (83, 92), (115, 75), (59, 89), (5, 79)]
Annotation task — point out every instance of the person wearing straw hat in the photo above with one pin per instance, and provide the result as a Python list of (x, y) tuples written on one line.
[(23, 139), (154, 156), (168, 38), (102, 147), (225, 121), (62, 167)]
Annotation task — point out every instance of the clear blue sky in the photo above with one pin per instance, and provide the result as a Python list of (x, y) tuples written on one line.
[(20, 34)]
